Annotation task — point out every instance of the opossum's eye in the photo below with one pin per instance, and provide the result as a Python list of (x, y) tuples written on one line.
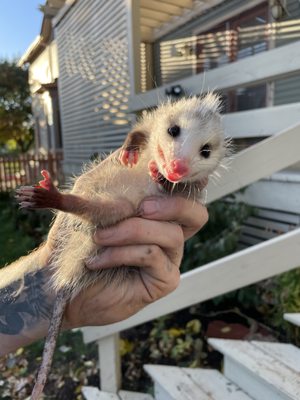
[(174, 131), (205, 151)]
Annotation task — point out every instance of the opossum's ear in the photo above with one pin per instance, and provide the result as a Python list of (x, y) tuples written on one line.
[(134, 143), (135, 140)]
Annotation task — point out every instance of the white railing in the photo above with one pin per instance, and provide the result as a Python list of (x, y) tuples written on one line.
[(246, 267), (183, 57), (268, 66), (261, 122)]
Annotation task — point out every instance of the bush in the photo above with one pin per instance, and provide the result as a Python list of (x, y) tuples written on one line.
[(20, 230), (220, 235)]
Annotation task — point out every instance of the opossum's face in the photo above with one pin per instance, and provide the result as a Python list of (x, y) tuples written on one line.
[(187, 139)]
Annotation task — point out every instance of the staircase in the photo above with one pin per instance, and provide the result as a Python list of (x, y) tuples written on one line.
[(252, 370)]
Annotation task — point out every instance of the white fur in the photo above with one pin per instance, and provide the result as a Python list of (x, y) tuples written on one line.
[(200, 123)]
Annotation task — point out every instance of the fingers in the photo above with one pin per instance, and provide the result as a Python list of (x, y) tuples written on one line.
[(159, 275), (140, 232), (155, 246), (191, 215), (142, 256), (135, 231)]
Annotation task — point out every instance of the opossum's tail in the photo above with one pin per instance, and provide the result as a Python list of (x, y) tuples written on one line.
[(50, 342)]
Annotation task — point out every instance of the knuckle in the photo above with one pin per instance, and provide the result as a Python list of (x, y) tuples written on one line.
[(178, 239), (174, 280), (205, 216)]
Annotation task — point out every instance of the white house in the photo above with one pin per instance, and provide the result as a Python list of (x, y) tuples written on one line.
[(43, 75)]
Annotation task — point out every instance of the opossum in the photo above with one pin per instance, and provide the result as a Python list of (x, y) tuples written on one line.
[(172, 149)]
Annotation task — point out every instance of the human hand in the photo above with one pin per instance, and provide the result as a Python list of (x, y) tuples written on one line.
[(151, 243)]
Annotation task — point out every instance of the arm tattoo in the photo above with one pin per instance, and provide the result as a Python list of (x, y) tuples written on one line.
[(23, 303)]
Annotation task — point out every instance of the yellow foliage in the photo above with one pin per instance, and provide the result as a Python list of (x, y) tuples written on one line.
[(19, 351), (193, 326), (175, 332), (125, 347)]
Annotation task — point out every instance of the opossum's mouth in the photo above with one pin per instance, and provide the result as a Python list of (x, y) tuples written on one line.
[(168, 186), (160, 178), (174, 170)]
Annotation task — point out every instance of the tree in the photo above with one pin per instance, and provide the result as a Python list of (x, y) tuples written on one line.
[(15, 106)]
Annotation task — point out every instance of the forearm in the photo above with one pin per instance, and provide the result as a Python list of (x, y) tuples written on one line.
[(25, 306)]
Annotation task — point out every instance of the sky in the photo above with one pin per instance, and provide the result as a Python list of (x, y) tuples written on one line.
[(20, 23)]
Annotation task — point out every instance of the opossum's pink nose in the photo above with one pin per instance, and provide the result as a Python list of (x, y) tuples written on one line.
[(178, 169)]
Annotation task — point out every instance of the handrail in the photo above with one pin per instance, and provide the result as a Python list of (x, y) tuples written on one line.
[(247, 266), (259, 161), (252, 164), (268, 121), (273, 64)]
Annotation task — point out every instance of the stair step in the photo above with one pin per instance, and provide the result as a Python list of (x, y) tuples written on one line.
[(288, 354), (93, 393), (259, 370), (174, 383), (125, 395), (294, 318)]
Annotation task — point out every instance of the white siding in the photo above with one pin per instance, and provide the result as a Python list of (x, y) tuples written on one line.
[(94, 79)]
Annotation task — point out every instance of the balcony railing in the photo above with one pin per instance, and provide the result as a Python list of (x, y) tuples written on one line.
[(265, 67), (184, 57)]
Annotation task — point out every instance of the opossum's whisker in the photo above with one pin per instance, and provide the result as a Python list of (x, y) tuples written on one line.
[(203, 82), (190, 192), (173, 188)]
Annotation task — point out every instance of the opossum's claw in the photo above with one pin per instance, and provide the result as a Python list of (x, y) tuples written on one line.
[(129, 157), (26, 204)]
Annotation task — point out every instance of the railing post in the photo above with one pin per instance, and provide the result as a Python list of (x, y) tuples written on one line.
[(110, 363)]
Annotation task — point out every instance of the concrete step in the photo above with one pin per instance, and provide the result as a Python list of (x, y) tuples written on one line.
[(174, 383), (294, 318), (263, 370)]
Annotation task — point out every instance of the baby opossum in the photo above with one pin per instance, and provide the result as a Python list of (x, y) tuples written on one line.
[(173, 149)]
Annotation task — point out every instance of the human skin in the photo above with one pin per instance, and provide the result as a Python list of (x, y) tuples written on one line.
[(149, 242)]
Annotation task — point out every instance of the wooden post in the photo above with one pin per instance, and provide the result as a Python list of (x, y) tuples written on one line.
[(134, 43), (110, 363)]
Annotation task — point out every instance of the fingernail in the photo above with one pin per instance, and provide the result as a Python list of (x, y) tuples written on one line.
[(149, 207)]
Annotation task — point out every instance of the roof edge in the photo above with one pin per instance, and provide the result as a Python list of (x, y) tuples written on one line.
[(33, 48)]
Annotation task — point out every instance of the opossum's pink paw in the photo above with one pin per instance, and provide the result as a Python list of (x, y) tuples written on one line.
[(154, 172), (129, 157), (37, 197), (46, 183)]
